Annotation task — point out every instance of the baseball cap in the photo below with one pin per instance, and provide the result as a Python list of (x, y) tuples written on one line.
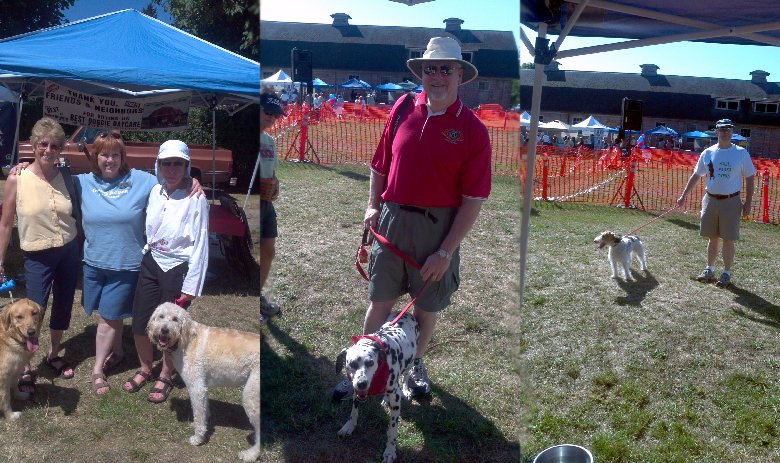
[(724, 124), (174, 149), (271, 103)]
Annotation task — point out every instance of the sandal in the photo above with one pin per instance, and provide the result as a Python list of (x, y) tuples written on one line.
[(63, 366), (165, 391), (99, 382), (28, 383), (135, 387), (112, 361)]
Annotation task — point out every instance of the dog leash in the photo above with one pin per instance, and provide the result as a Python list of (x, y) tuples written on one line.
[(361, 256), (631, 232)]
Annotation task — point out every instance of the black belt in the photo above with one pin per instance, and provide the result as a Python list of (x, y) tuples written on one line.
[(419, 210), (723, 196)]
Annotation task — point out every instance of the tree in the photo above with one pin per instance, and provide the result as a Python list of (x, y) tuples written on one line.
[(20, 16), (150, 11), (231, 24), (529, 65)]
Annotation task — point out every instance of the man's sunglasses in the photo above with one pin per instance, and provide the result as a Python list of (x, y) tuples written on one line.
[(106, 134), (171, 163), (270, 113), (444, 70)]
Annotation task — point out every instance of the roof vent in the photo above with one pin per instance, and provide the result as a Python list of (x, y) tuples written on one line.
[(340, 19), (758, 77), (649, 69), (553, 66), (452, 24)]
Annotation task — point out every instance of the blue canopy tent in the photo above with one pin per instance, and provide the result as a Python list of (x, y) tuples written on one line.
[(319, 83), (356, 84), (696, 134), (389, 87), (152, 57), (738, 137), (663, 131)]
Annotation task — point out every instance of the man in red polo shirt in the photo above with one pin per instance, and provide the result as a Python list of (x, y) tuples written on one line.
[(431, 170)]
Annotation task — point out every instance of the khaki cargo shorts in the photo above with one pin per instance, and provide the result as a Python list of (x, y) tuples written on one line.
[(720, 217), (417, 234)]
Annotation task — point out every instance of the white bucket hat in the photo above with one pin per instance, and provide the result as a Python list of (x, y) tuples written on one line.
[(443, 49), (172, 149)]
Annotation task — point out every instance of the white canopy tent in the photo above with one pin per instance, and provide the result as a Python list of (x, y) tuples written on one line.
[(591, 123), (755, 22)]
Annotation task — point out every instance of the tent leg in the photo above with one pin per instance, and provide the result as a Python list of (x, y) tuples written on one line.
[(213, 151)]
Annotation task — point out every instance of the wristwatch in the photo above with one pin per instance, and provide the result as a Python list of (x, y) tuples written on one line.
[(444, 254)]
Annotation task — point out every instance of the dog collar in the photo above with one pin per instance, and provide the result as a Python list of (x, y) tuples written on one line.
[(379, 380)]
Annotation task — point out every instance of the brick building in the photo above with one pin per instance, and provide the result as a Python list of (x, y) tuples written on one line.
[(378, 54), (679, 102)]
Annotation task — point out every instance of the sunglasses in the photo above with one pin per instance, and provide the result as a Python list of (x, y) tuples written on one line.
[(171, 163), (270, 113), (444, 70), (113, 134), (44, 145)]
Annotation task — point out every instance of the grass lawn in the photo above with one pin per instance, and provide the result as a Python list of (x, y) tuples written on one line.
[(473, 415), (662, 370), (67, 422)]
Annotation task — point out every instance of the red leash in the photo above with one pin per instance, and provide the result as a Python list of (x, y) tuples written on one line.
[(361, 256), (651, 220)]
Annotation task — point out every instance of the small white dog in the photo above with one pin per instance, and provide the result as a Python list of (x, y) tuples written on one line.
[(621, 250), (206, 357)]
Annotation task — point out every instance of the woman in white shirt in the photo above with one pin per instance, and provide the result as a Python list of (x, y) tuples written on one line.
[(175, 259)]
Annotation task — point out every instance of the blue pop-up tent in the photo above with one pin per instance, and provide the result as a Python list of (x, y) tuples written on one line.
[(124, 52)]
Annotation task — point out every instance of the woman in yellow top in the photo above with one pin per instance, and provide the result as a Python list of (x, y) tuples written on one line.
[(47, 234)]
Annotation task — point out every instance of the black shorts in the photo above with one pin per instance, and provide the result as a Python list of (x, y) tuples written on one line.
[(155, 287), (268, 228)]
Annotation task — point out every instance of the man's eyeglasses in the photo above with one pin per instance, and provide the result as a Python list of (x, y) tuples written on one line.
[(44, 145), (106, 134), (270, 113), (444, 70), (171, 163)]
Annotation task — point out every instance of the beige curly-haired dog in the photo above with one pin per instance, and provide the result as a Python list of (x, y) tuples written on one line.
[(20, 325), (206, 357)]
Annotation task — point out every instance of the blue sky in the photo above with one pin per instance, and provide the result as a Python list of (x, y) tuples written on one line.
[(687, 59), (88, 8)]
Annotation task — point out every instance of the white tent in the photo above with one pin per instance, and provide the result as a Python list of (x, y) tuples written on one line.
[(279, 78), (589, 124), (555, 125)]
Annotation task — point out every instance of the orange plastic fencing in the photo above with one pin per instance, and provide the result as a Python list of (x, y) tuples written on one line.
[(650, 179)]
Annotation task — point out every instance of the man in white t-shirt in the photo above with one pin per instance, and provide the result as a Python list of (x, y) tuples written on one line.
[(724, 165)]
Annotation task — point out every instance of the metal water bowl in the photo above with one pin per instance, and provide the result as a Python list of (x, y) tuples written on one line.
[(564, 453)]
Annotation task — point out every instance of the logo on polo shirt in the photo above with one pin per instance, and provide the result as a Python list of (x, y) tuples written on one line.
[(453, 136)]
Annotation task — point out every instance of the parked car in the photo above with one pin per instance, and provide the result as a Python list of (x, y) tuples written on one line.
[(141, 155)]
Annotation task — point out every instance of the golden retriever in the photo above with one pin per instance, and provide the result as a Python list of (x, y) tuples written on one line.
[(20, 325)]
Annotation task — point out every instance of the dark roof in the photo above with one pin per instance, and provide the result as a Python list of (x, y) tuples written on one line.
[(710, 86), (673, 97), (381, 48)]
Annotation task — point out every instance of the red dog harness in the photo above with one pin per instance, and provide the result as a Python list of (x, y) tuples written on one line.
[(379, 381)]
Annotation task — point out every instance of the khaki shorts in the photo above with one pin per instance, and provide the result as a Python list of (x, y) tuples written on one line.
[(417, 236), (720, 217)]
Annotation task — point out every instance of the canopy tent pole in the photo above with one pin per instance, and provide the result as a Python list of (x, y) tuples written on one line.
[(541, 54), (213, 104), (15, 151)]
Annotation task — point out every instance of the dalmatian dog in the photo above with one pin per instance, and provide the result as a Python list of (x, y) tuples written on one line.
[(621, 250), (376, 365)]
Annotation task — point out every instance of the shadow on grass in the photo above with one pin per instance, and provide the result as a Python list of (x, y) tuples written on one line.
[(762, 310), (299, 418), (683, 224), (636, 291), (225, 414)]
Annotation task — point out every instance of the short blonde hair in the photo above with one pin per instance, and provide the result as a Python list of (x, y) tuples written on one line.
[(47, 127)]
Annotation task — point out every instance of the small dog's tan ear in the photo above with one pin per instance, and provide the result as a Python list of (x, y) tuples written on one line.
[(341, 359)]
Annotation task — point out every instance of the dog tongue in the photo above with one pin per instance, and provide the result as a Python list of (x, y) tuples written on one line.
[(32, 344)]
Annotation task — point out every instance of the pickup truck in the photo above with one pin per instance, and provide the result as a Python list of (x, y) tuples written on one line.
[(141, 155)]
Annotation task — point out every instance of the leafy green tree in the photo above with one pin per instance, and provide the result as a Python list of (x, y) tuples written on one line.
[(20, 16), (529, 65), (150, 11), (231, 24)]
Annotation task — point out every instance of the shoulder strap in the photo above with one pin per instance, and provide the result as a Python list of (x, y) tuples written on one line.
[(408, 98), (74, 197)]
